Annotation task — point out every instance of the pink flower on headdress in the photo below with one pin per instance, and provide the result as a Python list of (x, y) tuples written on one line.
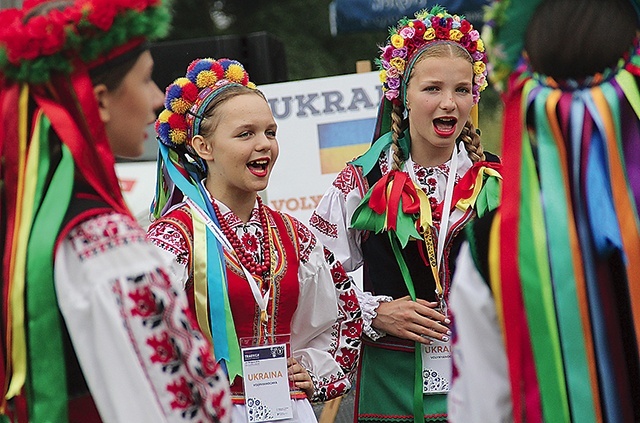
[(478, 56), (400, 52), (387, 52), (392, 72), (474, 35), (393, 83), (407, 32), (391, 94)]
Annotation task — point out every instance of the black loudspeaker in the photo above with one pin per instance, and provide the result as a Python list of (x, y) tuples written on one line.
[(262, 55)]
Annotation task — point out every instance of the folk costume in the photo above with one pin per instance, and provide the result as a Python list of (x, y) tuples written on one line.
[(266, 279), (104, 336), (391, 222), (547, 309)]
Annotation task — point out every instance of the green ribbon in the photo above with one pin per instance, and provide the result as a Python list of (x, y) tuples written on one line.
[(370, 158), (418, 396), (537, 290), (489, 196), (47, 382), (556, 202)]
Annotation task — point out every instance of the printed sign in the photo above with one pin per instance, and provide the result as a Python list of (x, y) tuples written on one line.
[(266, 384)]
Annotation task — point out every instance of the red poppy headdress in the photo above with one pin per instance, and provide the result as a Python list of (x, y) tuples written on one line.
[(51, 136)]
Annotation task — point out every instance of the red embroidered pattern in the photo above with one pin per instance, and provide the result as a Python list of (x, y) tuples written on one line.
[(347, 180), (345, 345), (104, 233), (177, 360), (323, 226), (306, 240), (173, 353), (165, 234)]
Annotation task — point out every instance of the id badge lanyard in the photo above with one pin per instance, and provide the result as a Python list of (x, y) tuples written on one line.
[(261, 300), (435, 257)]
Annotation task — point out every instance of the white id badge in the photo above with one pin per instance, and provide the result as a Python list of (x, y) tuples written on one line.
[(266, 383), (436, 367)]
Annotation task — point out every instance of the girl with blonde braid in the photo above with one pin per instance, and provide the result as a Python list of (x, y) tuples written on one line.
[(398, 211), (251, 272)]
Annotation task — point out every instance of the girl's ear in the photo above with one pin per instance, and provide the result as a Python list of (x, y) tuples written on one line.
[(101, 92), (202, 148)]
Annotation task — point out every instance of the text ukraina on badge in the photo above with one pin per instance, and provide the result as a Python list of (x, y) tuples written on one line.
[(436, 367), (266, 383)]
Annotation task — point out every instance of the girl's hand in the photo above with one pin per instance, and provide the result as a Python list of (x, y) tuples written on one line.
[(300, 377), (413, 320)]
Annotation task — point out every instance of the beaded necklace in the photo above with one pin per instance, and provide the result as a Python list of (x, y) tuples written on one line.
[(246, 258)]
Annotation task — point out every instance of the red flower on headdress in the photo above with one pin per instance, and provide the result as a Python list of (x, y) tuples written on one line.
[(419, 27), (48, 31), (104, 19), (473, 46), (442, 32), (465, 26)]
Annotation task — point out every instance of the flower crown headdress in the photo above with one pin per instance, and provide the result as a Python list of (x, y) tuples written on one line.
[(410, 37), (188, 97), (89, 30)]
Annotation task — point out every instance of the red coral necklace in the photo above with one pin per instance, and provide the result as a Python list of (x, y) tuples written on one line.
[(244, 255)]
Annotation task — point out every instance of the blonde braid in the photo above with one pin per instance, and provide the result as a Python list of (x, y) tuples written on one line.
[(470, 136), (396, 128)]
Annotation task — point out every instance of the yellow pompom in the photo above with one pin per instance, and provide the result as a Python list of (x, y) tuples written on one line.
[(164, 116), (251, 85), (177, 136), (234, 73), (206, 79), (182, 81), (180, 106)]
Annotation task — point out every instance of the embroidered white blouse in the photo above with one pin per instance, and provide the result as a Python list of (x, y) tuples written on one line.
[(141, 353)]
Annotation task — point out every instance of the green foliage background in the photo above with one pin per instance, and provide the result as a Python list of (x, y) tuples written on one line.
[(311, 51)]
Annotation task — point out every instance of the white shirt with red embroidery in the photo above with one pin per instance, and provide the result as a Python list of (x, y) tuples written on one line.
[(331, 220), (326, 326), (142, 356)]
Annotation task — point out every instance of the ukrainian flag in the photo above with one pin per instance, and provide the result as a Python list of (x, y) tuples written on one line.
[(341, 142)]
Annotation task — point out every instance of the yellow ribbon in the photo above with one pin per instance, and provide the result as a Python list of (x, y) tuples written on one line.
[(27, 179), (200, 275)]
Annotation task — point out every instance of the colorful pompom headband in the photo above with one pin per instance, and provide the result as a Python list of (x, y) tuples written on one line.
[(86, 30), (410, 37), (188, 97)]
